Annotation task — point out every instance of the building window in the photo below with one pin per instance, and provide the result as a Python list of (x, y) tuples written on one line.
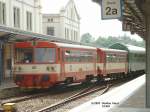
[(16, 17), (74, 35), (29, 21), (50, 31), (65, 33), (2, 13), (71, 34), (72, 13), (68, 34), (50, 20)]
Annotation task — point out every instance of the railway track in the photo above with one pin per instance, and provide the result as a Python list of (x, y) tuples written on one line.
[(21, 98), (103, 89), (57, 99), (74, 97)]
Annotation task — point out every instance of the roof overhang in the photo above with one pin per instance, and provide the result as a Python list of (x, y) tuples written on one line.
[(8, 34), (133, 16)]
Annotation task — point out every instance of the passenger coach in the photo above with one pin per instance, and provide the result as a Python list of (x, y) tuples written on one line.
[(136, 57), (42, 64), (111, 63)]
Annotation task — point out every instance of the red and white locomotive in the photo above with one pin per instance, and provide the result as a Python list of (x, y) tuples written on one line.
[(42, 64)]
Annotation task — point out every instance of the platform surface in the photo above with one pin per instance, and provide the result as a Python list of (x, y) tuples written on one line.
[(129, 110), (6, 84), (129, 97)]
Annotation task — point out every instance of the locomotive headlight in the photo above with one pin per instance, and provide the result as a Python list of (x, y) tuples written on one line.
[(52, 69), (48, 68)]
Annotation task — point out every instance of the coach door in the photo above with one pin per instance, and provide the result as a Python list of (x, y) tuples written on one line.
[(62, 64), (105, 64)]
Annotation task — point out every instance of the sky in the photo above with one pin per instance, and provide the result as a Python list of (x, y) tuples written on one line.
[(90, 19)]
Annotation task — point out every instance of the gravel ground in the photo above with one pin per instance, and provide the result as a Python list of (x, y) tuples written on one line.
[(56, 94), (80, 101), (4, 93), (34, 104), (38, 103)]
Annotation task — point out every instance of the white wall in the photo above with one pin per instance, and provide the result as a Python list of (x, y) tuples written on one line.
[(66, 20), (55, 24), (24, 5)]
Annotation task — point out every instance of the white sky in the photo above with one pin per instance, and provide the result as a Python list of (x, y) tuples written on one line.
[(90, 14)]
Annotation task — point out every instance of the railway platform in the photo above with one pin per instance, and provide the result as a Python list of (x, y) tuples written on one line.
[(129, 97), (6, 84)]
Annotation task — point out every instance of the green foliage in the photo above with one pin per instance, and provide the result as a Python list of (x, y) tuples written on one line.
[(107, 41), (87, 39)]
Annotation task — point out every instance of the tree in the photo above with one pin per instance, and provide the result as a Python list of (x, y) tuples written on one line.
[(108, 41), (100, 42), (87, 38)]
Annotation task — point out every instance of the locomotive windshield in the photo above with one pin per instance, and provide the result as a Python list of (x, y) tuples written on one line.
[(45, 55), (24, 55)]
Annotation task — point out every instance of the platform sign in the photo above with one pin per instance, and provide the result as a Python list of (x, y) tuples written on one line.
[(111, 9)]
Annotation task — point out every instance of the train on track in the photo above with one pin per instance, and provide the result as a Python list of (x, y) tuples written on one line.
[(43, 64)]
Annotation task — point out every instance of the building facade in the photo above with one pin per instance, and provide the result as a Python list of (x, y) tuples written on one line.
[(64, 24), (22, 15)]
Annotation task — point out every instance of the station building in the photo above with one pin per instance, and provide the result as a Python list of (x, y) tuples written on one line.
[(21, 14), (16, 15), (62, 20)]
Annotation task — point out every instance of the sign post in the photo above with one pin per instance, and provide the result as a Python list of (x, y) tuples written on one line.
[(111, 9)]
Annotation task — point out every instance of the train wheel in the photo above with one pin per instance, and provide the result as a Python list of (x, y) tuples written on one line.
[(100, 79), (89, 78), (69, 80)]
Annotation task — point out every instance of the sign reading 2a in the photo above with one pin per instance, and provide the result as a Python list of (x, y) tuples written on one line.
[(111, 9)]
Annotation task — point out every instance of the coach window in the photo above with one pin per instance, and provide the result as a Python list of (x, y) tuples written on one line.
[(121, 59), (67, 56), (108, 58), (45, 55), (24, 55)]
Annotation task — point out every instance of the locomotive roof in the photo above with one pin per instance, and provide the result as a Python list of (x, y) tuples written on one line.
[(73, 46), (87, 47), (129, 48), (112, 50), (135, 49)]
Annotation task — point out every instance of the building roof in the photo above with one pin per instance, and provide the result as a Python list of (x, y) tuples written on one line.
[(134, 15), (56, 6)]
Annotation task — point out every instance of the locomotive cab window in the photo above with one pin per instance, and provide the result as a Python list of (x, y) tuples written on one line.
[(45, 55), (24, 55)]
